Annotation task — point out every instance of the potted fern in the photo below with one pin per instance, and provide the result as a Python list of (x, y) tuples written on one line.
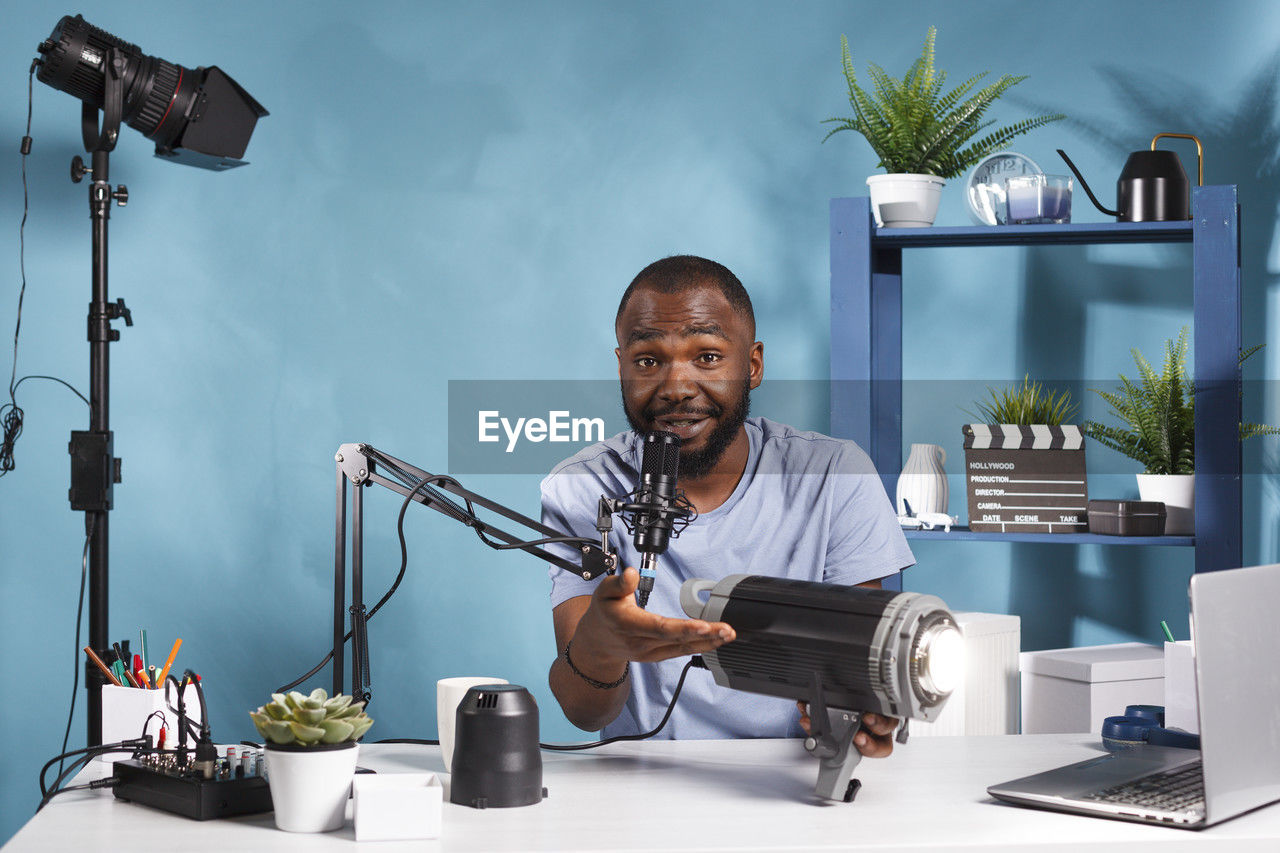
[(921, 134), (1025, 467), (1158, 417)]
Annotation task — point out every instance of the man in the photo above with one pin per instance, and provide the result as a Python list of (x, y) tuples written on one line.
[(770, 500)]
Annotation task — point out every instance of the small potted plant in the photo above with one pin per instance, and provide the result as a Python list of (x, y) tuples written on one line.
[(1158, 417), (921, 133), (311, 747), (1024, 467)]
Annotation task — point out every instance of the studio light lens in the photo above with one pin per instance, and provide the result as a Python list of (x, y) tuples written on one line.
[(199, 116), (940, 657)]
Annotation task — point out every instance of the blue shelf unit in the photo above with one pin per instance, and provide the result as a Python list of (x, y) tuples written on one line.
[(866, 350)]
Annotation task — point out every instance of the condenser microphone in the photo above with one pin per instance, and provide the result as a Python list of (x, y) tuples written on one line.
[(657, 506)]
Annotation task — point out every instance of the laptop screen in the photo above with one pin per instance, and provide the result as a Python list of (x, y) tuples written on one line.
[(1237, 656)]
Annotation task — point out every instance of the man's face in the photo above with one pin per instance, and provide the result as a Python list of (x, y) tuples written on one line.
[(688, 363)]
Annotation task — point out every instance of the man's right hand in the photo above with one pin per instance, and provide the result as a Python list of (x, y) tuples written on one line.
[(615, 628), (608, 630)]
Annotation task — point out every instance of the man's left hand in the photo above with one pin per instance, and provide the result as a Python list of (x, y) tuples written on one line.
[(875, 737)]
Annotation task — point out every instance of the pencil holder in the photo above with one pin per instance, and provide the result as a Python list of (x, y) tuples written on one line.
[(125, 711)]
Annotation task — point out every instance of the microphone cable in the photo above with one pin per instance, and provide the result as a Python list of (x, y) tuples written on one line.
[(466, 516)]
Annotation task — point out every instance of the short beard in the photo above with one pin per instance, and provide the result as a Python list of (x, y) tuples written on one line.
[(696, 464)]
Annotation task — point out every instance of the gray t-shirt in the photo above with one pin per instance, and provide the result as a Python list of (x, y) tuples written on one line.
[(808, 507)]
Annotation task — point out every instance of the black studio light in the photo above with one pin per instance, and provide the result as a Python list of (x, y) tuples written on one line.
[(842, 649), (200, 117)]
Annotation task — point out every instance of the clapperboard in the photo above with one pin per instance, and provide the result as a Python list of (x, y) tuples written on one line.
[(1026, 479)]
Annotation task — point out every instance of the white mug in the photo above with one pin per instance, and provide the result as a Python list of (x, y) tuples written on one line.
[(449, 693)]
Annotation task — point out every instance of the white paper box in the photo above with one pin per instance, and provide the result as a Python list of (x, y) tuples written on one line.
[(397, 806), (1073, 690), (986, 702), (1181, 706)]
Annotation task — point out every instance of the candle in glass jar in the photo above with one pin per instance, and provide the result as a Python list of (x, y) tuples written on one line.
[(1038, 199)]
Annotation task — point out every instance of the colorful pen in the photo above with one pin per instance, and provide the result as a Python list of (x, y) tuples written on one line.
[(164, 673), (102, 666)]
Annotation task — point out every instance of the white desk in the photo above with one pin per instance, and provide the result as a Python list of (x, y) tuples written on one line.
[(696, 795)]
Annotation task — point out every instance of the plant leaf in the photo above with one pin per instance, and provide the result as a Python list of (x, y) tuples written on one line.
[(305, 734), (336, 731), (913, 127)]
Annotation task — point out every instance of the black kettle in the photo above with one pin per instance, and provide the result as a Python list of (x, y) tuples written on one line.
[(1152, 186)]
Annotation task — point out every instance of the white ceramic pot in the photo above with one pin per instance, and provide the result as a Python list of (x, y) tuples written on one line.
[(923, 483), (310, 785), (905, 200), (1178, 494)]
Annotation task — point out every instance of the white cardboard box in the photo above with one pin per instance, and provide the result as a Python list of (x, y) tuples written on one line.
[(397, 806), (1073, 690), (986, 702)]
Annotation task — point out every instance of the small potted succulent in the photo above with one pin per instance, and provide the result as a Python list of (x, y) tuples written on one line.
[(922, 133), (1158, 417), (311, 748), (1025, 467)]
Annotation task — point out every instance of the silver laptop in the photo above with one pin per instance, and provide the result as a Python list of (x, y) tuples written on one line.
[(1237, 769)]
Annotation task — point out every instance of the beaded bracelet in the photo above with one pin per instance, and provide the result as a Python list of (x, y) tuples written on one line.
[(599, 685)]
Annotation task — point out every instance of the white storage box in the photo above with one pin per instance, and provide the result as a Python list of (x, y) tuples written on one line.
[(396, 806), (986, 702), (1073, 690)]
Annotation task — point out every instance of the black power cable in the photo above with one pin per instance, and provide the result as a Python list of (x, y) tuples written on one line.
[(87, 754), (11, 413), (671, 706), (695, 661)]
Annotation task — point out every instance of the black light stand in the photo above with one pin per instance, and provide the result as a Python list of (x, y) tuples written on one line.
[(360, 464), (199, 117), (94, 468)]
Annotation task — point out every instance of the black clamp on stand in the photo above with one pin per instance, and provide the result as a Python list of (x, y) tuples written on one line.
[(830, 739)]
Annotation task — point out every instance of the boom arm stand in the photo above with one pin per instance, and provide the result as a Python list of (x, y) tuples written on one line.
[(363, 465)]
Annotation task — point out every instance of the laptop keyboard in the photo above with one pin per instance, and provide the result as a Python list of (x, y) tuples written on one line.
[(1173, 790)]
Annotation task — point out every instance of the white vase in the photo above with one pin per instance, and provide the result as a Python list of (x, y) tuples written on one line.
[(310, 785), (1178, 494), (923, 483), (905, 200)]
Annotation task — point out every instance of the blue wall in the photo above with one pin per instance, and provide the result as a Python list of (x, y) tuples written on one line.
[(448, 192)]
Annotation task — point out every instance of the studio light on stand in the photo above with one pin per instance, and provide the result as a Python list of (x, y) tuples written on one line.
[(843, 649), (197, 117)]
